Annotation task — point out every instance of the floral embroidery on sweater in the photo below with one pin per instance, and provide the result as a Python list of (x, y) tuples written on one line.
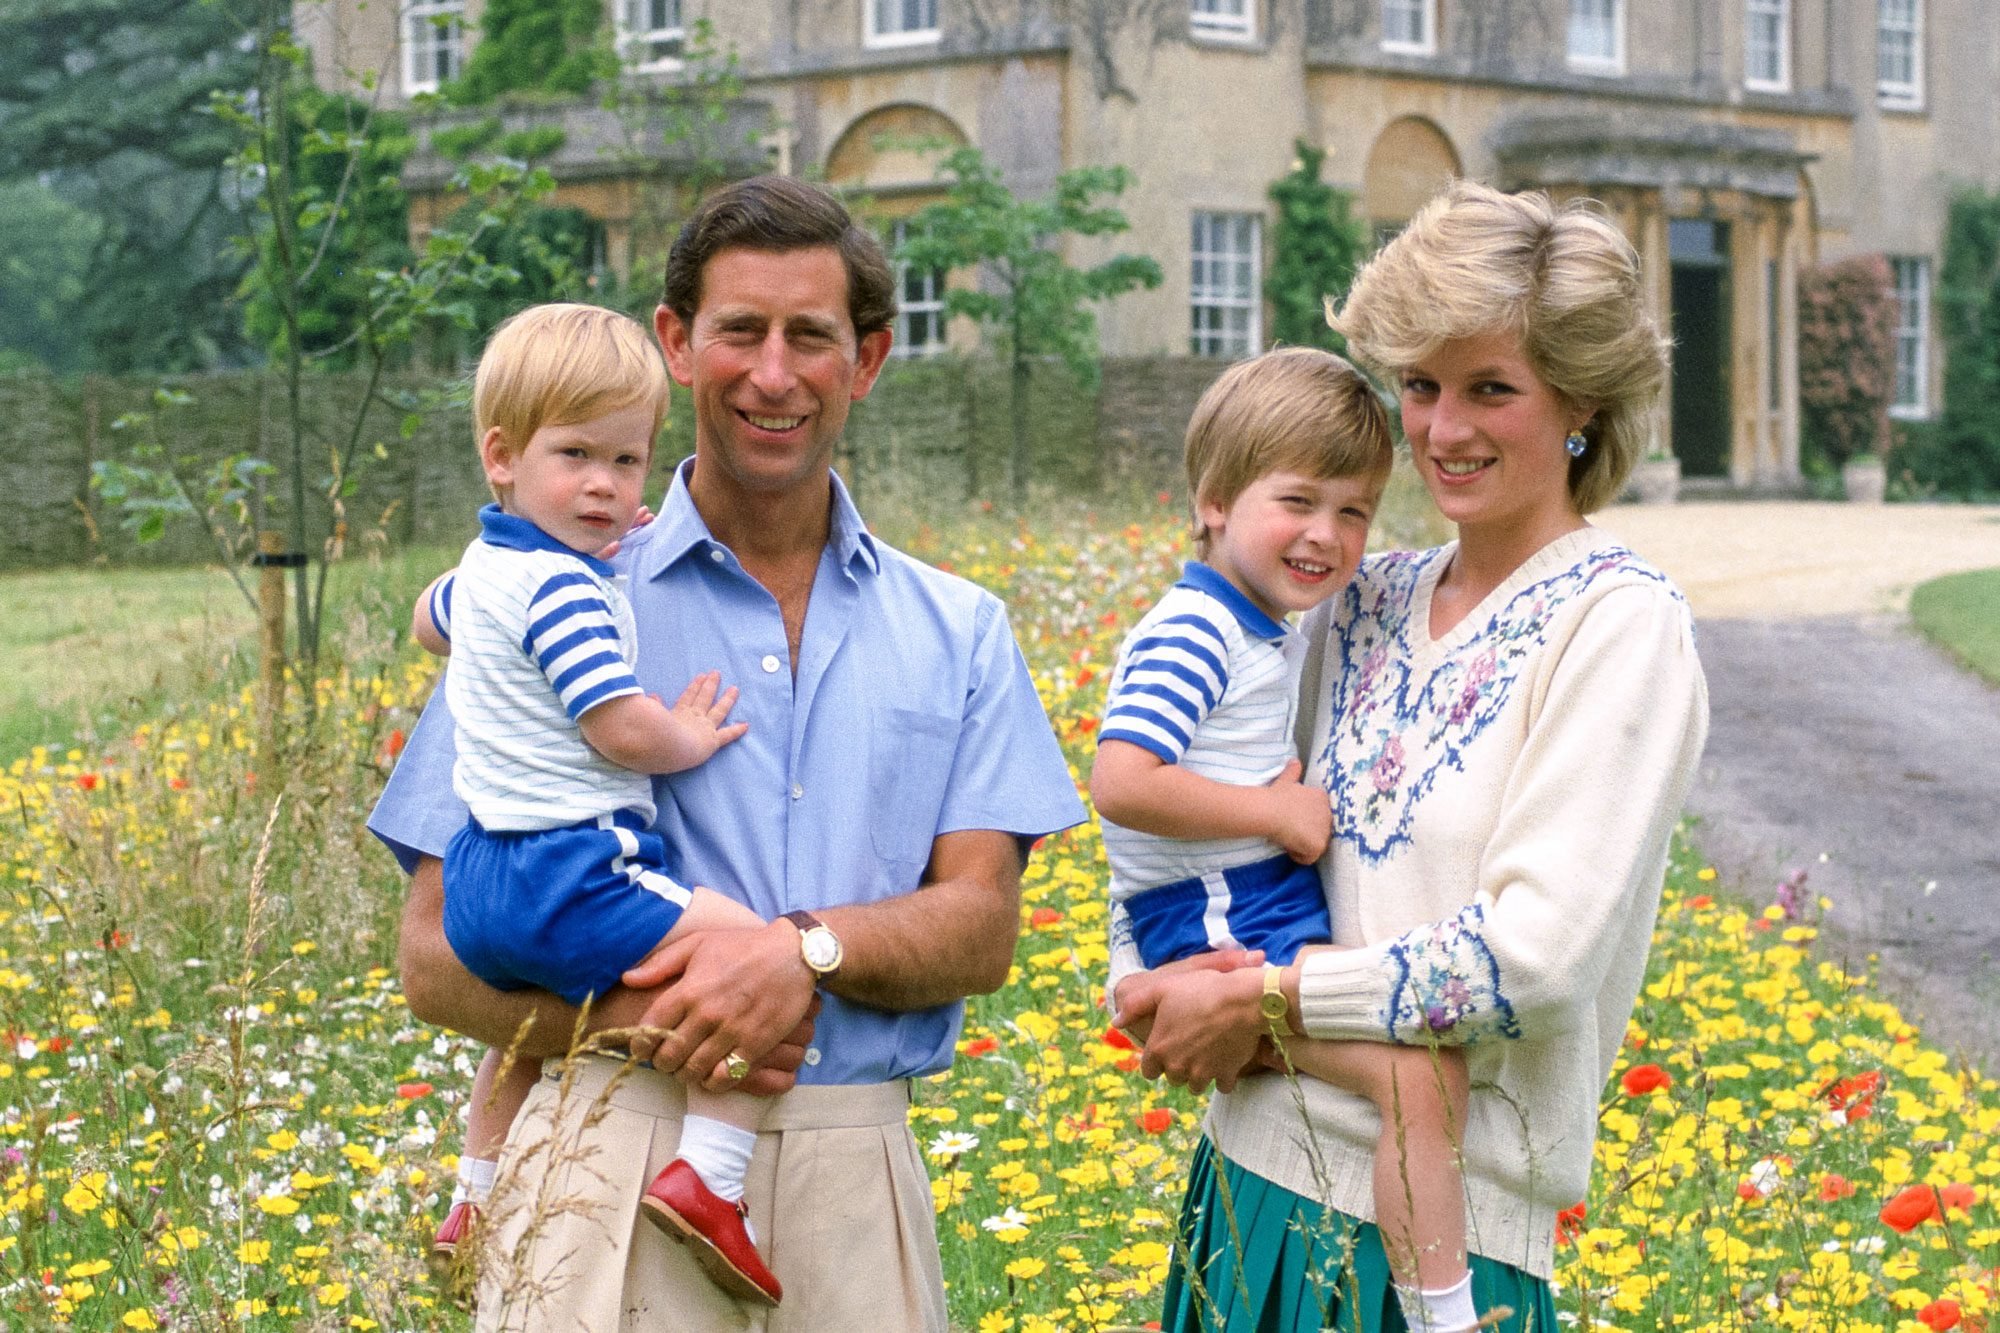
[(1445, 980), (1397, 732)]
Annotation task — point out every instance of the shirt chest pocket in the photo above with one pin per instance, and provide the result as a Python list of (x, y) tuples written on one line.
[(910, 754)]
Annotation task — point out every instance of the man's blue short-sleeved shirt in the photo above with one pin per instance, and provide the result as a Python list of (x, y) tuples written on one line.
[(912, 715)]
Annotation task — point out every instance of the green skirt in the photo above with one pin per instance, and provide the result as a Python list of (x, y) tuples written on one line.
[(1259, 1257)]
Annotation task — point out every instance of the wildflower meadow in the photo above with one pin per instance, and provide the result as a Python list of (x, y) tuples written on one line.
[(216, 1112)]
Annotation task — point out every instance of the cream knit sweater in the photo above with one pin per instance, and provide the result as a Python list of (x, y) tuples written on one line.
[(1503, 798)]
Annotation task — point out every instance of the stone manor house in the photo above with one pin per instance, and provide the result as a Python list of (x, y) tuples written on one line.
[(1736, 141)]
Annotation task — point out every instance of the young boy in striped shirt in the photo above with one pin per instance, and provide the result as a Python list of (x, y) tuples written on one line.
[(557, 880), (1211, 835)]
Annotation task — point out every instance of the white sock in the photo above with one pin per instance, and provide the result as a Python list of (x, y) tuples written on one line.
[(1439, 1310), (475, 1180), (719, 1152)]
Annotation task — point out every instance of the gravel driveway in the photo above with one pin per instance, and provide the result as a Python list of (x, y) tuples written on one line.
[(1842, 742)]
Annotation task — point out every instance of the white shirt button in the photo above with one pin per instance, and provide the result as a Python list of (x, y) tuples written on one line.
[(797, 791), (812, 1055), (770, 662), (716, 555)]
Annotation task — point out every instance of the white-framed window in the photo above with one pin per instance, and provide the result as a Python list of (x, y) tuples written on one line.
[(1767, 45), (1912, 274), (901, 22), (1223, 18), (651, 33), (1225, 305), (433, 43), (919, 303), (1410, 26), (1899, 52), (1597, 36)]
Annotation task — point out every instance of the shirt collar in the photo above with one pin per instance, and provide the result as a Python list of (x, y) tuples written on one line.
[(680, 529), (1248, 614), (497, 527)]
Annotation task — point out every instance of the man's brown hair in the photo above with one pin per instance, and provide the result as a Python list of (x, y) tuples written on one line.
[(776, 214)]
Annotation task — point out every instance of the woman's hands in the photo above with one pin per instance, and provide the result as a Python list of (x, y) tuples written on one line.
[(1199, 1018)]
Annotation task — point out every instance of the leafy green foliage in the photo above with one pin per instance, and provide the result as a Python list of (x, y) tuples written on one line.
[(1029, 296), (106, 105), (1316, 246), (1961, 455), (536, 46), (1847, 356), (45, 250), (352, 222)]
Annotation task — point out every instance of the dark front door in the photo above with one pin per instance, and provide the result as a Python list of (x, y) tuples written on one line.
[(1699, 250)]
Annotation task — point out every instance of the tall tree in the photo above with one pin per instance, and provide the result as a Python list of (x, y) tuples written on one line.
[(106, 102), (1316, 246), (1029, 296)]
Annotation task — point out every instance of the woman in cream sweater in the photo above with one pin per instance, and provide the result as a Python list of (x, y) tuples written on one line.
[(1506, 727)]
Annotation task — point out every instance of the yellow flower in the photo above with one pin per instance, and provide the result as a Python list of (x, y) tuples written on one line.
[(1025, 1268)]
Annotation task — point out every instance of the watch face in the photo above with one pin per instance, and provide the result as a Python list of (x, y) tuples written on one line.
[(1274, 1006), (822, 950)]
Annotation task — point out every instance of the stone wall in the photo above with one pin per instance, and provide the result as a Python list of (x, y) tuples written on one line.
[(932, 431)]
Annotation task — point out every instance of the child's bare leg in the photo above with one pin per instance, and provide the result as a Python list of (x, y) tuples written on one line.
[(718, 1135), (1419, 1193), (497, 1096)]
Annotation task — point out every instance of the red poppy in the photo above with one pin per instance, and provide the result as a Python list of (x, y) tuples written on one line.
[(409, 1092), (1910, 1209), (1086, 724), (1642, 1079), (178, 784), (1085, 676), (1044, 916), (56, 1045), (1959, 1197), (1156, 1121), (1701, 900), (1855, 1095), (979, 1046), (1113, 1037), (1939, 1315), (1832, 1187), (1569, 1223), (1746, 1189), (87, 781)]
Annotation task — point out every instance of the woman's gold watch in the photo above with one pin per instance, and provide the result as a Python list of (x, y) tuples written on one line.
[(1276, 1008)]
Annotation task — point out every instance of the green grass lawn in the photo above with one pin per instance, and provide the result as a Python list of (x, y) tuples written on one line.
[(84, 650), (1961, 613)]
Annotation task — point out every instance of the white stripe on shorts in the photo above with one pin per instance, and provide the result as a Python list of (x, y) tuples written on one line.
[(1215, 920)]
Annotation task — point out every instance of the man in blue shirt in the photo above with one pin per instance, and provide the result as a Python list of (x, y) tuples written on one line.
[(897, 768)]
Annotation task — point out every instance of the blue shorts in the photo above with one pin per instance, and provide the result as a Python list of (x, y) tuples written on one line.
[(566, 910), (1274, 905)]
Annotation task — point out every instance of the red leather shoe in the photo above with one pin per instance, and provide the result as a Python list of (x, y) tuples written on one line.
[(455, 1230), (694, 1215)]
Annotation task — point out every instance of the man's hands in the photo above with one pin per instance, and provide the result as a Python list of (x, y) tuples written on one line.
[(1199, 1018), (1303, 823), (743, 991)]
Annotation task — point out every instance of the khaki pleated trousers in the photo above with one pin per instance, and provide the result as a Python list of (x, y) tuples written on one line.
[(839, 1202)]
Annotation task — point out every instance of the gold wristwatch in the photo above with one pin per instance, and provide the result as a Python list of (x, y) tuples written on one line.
[(818, 946), (1273, 1004)]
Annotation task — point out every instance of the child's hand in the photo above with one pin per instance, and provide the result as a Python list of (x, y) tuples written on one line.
[(639, 520), (702, 714), (1304, 818)]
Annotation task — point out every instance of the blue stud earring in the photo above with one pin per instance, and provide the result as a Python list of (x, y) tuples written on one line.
[(1576, 444)]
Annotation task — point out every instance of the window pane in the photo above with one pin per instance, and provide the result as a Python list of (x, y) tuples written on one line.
[(1593, 30), (1912, 277), (1224, 300)]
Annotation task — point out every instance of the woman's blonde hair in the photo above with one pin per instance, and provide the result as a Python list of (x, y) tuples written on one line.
[(1296, 409), (1564, 279), (560, 364)]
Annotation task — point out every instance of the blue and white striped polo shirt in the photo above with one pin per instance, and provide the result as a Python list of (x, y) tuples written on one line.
[(1210, 682), (539, 635)]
